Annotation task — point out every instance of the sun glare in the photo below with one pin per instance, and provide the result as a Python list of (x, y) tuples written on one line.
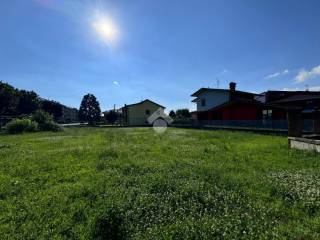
[(106, 29)]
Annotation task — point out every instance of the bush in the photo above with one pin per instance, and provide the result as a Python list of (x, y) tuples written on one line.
[(50, 126), (41, 117), (45, 121), (21, 125)]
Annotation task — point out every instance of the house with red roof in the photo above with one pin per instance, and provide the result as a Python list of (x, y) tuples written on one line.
[(231, 104)]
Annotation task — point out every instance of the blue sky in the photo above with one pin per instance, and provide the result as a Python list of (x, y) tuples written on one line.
[(163, 50)]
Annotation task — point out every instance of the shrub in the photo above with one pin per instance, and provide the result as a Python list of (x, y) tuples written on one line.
[(45, 121), (50, 126), (21, 125), (41, 117)]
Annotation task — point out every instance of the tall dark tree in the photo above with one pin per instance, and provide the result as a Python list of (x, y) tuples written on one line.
[(172, 114), (89, 109), (28, 102), (9, 97), (52, 107), (183, 113)]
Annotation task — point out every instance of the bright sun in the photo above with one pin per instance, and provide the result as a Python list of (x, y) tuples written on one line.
[(106, 29)]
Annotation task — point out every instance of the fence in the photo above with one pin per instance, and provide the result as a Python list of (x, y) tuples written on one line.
[(267, 125)]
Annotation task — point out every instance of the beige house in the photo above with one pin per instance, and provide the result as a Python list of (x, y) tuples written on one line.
[(138, 113)]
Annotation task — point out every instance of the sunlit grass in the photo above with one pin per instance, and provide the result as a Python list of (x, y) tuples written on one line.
[(133, 183)]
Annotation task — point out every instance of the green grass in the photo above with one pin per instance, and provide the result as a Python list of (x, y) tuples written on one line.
[(131, 183)]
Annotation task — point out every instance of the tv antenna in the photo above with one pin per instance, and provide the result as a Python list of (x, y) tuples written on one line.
[(218, 83)]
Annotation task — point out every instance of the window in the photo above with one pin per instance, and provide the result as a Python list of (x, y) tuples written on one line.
[(203, 102), (267, 114), (147, 112)]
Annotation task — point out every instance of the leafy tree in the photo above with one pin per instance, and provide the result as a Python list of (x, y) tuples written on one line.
[(15, 102), (9, 98), (28, 102), (52, 107), (45, 121), (172, 114), (41, 117), (89, 109), (183, 113)]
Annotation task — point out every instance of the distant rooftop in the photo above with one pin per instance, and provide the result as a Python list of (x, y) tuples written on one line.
[(146, 100), (202, 90), (297, 98)]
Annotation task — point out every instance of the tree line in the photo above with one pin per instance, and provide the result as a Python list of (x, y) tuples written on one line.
[(15, 102), (183, 113)]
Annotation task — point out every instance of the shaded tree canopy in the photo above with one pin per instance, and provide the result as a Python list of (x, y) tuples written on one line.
[(9, 98), (89, 109), (172, 114), (183, 113), (41, 117), (52, 107), (28, 102), (15, 102)]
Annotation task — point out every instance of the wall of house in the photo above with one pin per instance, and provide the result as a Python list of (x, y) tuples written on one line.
[(241, 112), (237, 111), (213, 99), (279, 114), (137, 113)]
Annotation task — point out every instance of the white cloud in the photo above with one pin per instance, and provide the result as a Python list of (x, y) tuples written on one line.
[(304, 75), (273, 75), (115, 83), (277, 74), (291, 89), (314, 88)]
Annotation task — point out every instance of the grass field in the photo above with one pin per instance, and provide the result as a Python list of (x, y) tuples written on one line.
[(130, 183)]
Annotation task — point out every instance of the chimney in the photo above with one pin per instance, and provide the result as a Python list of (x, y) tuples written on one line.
[(232, 86), (232, 90)]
